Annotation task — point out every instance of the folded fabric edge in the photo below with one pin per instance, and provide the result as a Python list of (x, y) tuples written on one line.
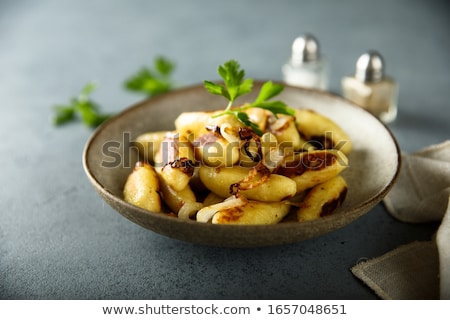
[(361, 269), (434, 206), (430, 151), (443, 244)]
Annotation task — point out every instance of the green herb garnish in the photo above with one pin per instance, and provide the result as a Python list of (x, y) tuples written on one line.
[(81, 107), (152, 81), (235, 85)]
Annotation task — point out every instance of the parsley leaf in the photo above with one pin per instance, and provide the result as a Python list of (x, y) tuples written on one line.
[(244, 118), (83, 107), (235, 85), (154, 81), (63, 114), (268, 91), (164, 66)]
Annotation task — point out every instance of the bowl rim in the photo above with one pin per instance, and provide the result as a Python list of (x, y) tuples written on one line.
[(109, 197)]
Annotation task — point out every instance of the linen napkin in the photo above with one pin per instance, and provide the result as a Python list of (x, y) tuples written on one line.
[(420, 270)]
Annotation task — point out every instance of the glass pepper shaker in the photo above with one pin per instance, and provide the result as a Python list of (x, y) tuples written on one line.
[(306, 67), (371, 89)]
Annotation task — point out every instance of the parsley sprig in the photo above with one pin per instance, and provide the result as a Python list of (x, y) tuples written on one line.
[(82, 107), (234, 85), (150, 81), (154, 81)]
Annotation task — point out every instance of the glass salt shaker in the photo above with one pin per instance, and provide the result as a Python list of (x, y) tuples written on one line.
[(371, 89), (306, 67)]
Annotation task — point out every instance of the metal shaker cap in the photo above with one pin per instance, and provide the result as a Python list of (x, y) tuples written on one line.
[(370, 67), (305, 49)]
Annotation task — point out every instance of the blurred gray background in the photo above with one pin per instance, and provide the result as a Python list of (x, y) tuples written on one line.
[(58, 240)]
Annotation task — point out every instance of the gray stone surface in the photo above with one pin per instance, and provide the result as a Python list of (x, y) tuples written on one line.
[(58, 240)]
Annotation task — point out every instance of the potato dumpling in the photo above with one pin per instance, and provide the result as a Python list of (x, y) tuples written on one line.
[(253, 213), (220, 180), (310, 168), (149, 143), (244, 212), (317, 127), (323, 199), (142, 187)]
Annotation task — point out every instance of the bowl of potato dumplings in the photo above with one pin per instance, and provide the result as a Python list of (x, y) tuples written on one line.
[(179, 165)]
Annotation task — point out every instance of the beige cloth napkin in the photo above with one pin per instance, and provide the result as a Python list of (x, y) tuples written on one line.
[(420, 270)]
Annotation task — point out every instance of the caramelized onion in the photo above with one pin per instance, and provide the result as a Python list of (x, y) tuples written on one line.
[(248, 135), (256, 177), (184, 165)]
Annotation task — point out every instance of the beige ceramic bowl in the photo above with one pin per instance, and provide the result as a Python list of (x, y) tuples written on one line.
[(374, 164)]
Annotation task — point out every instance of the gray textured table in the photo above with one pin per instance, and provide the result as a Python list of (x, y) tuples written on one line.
[(58, 240)]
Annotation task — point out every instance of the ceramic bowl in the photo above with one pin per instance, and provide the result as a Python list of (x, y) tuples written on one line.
[(109, 157)]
